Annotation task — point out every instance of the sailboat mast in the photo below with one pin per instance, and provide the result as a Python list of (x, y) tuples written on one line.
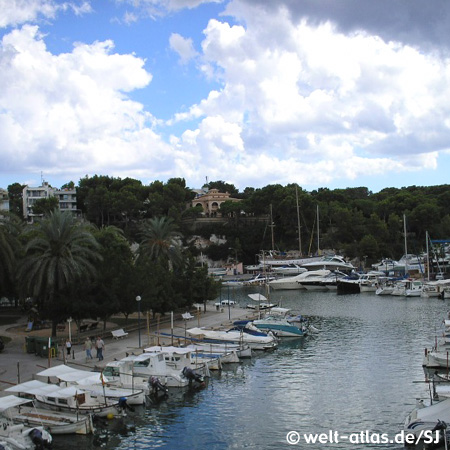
[(318, 236), (406, 244), (271, 227), (428, 256), (298, 223)]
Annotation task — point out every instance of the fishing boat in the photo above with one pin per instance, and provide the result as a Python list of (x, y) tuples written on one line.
[(94, 383), (23, 411), (17, 436), (70, 399)]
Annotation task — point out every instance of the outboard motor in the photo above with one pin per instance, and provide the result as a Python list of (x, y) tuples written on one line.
[(192, 376), (156, 386), (40, 439), (123, 404)]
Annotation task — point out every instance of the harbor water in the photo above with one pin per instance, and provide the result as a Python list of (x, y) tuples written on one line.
[(359, 375)]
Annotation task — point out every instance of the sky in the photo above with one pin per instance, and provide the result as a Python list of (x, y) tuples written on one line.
[(322, 93)]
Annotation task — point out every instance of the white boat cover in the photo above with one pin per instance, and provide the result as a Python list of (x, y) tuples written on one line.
[(280, 311), (11, 400), (168, 349), (34, 387), (257, 297), (72, 375), (435, 412), (55, 371)]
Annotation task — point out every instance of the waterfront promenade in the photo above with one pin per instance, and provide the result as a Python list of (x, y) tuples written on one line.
[(16, 365)]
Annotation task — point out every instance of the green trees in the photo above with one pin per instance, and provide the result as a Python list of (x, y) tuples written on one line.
[(61, 252)]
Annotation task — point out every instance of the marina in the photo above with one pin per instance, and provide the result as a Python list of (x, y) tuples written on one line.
[(362, 371)]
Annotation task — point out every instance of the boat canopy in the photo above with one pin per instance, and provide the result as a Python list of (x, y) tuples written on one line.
[(72, 375), (34, 387), (257, 297), (10, 401)]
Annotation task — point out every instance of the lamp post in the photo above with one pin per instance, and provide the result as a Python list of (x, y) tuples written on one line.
[(69, 320), (138, 299)]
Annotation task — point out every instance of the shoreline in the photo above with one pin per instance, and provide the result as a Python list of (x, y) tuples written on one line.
[(18, 366)]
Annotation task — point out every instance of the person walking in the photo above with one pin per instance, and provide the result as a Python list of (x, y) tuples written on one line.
[(68, 346), (88, 347), (100, 345)]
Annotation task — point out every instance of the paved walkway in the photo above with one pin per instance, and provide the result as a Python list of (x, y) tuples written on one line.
[(18, 366)]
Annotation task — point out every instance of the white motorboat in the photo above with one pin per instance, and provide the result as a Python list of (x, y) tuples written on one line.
[(334, 262), (287, 282), (22, 410), (425, 418), (313, 280), (259, 279), (368, 282), (282, 326), (256, 339), (19, 437), (216, 357), (242, 351), (288, 270), (435, 288), (166, 366), (276, 259), (413, 288)]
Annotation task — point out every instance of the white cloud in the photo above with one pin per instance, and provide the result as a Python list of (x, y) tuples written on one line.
[(324, 104), (184, 47), (17, 12), (71, 112)]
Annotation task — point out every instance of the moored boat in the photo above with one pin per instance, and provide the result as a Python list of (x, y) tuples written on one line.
[(22, 410)]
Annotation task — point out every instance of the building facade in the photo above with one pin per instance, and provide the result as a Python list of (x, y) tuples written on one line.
[(211, 200), (4, 200), (67, 198)]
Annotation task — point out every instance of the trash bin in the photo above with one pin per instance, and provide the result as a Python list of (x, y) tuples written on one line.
[(30, 344), (41, 347)]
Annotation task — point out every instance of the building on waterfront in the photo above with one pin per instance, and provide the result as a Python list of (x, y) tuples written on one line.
[(4, 200), (211, 200), (67, 198)]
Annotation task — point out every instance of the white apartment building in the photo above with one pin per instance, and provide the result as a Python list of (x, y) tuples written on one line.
[(4, 200), (67, 198)]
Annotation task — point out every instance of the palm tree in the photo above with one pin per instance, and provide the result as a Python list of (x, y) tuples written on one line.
[(160, 242), (61, 251), (10, 251)]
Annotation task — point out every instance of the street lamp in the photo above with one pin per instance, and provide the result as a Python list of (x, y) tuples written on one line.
[(138, 299)]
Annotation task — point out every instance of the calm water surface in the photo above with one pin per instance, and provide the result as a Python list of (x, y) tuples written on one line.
[(362, 371)]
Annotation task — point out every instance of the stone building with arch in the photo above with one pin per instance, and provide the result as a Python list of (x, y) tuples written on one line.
[(211, 200)]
